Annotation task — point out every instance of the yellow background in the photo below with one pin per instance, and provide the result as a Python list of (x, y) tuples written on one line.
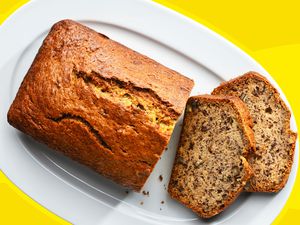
[(267, 30)]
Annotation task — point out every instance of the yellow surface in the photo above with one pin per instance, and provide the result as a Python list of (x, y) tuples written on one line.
[(267, 30)]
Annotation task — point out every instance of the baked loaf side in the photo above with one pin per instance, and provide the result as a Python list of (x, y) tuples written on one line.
[(210, 167), (100, 103), (275, 141)]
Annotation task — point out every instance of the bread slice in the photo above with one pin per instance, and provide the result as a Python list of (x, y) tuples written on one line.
[(275, 142), (210, 168)]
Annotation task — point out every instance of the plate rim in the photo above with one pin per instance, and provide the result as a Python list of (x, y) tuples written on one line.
[(6, 26)]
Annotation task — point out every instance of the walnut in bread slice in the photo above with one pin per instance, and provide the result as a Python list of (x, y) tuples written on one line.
[(210, 168), (275, 142)]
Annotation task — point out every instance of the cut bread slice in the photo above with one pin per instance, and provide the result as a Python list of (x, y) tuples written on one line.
[(210, 168), (275, 142)]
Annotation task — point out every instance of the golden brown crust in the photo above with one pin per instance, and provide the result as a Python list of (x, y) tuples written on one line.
[(166, 84), (246, 122), (261, 187), (232, 82), (63, 104)]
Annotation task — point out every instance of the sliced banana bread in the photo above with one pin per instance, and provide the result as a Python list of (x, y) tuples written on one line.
[(210, 168), (275, 142)]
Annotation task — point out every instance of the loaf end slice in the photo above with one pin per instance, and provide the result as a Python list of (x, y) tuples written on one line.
[(275, 142), (210, 168)]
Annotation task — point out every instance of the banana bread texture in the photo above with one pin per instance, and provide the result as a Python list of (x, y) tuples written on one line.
[(275, 142), (211, 167)]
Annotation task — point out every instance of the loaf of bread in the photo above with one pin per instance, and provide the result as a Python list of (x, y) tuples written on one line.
[(275, 142), (210, 168), (100, 103)]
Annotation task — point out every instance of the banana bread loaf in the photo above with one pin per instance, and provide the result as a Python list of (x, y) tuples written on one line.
[(100, 103), (275, 142), (210, 168)]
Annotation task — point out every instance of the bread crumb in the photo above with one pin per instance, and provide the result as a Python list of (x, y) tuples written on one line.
[(162, 202), (141, 203), (146, 193), (160, 178)]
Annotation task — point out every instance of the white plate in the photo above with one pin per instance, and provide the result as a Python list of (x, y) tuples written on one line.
[(73, 191)]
